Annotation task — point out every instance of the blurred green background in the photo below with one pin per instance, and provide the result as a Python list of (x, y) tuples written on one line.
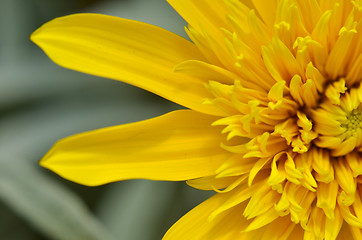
[(40, 103)]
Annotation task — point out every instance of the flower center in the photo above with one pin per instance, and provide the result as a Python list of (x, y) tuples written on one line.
[(338, 119), (354, 122)]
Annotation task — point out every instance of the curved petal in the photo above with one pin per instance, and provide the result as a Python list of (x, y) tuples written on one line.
[(205, 15), (202, 14), (195, 225), (134, 52), (207, 18), (346, 232), (176, 146), (198, 225)]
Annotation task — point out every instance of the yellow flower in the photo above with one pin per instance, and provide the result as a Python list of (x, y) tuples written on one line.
[(275, 121)]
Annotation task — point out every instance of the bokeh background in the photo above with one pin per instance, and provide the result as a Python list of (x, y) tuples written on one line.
[(40, 103)]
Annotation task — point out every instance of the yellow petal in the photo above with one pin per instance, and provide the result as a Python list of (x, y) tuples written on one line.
[(267, 10), (326, 198), (282, 229), (211, 183), (263, 220), (206, 71), (202, 14), (333, 226), (177, 146), (196, 224), (356, 232), (240, 194), (206, 19), (344, 177), (340, 55), (322, 165), (345, 232), (136, 53)]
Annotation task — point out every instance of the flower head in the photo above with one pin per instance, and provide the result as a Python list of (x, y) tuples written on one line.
[(275, 126)]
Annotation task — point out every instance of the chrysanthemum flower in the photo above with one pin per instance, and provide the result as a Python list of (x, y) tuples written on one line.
[(274, 90)]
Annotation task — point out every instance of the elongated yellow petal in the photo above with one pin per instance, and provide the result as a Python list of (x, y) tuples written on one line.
[(345, 232), (206, 71), (211, 183), (282, 229), (196, 225), (177, 146), (333, 226), (202, 14), (266, 9), (206, 18), (136, 53)]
